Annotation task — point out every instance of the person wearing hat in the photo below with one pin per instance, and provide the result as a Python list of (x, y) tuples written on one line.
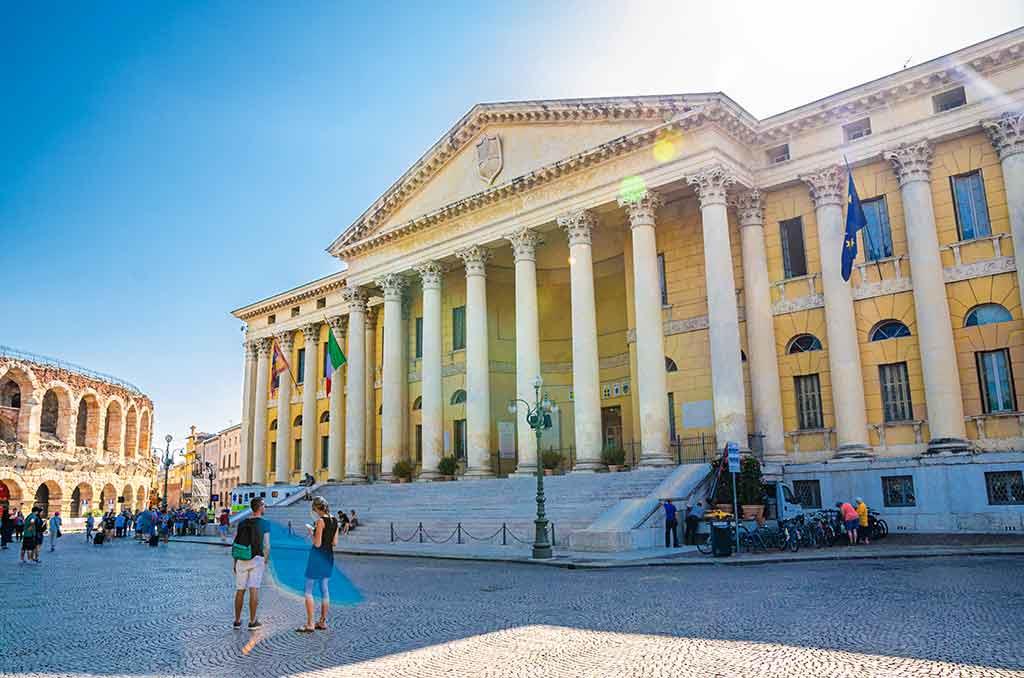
[(862, 519)]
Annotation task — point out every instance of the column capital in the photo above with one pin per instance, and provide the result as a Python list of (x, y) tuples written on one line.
[(311, 331), (338, 324), (475, 258), (430, 273), (750, 208), (826, 185), (393, 285), (252, 347), (911, 162), (355, 297), (642, 208), (578, 225), (1006, 133), (284, 339), (524, 244), (263, 346), (711, 184)]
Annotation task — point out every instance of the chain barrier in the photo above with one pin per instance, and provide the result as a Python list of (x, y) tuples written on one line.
[(460, 532)]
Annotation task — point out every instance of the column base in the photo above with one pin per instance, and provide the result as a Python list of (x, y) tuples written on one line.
[(948, 446), (586, 466), (524, 471), (477, 474), (427, 476), (280, 482), (854, 451), (386, 477), (655, 459), (354, 479)]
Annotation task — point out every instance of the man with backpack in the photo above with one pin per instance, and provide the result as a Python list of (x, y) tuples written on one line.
[(250, 553)]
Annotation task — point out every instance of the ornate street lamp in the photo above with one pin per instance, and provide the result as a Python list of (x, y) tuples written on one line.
[(168, 461), (539, 418), (212, 474)]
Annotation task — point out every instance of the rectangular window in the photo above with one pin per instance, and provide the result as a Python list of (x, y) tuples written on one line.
[(808, 401), (271, 319), (1005, 487), (877, 236), (297, 454), (971, 208), (327, 362), (300, 366), (458, 328), (661, 280), (996, 381), (273, 454), (857, 130), (325, 445), (895, 392), (419, 443), (954, 98), (794, 262), (808, 493), (672, 417), (778, 154), (295, 311), (419, 337), (460, 438), (898, 491), (321, 303)]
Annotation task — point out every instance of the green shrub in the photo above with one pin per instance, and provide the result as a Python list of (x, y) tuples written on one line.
[(402, 469), (551, 459), (448, 466), (613, 456)]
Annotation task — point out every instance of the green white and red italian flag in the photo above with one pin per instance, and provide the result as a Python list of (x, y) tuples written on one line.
[(336, 358)]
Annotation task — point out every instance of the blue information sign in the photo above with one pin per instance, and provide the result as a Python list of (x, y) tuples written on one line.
[(733, 450)]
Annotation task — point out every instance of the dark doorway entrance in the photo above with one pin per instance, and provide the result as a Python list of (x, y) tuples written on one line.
[(611, 427)]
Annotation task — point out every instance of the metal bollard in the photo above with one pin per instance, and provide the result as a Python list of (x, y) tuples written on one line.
[(419, 529), (392, 525), (458, 530), (503, 535), (552, 533)]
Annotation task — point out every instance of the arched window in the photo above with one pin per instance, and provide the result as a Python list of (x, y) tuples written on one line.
[(670, 365), (418, 403), (802, 343), (298, 421), (743, 356), (889, 329), (273, 425), (380, 410), (458, 397), (983, 314), (325, 417)]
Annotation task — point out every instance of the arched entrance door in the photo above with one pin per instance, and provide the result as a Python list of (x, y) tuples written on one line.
[(42, 499), (108, 498)]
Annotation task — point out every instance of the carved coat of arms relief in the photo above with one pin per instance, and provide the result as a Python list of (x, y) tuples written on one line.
[(488, 157)]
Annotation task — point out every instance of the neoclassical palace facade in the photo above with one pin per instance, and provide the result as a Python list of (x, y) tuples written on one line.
[(670, 266), (71, 440)]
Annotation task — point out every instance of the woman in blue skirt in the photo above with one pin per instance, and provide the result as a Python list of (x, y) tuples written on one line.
[(320, 564)]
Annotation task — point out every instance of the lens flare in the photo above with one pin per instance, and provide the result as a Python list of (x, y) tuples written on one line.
[(289, 553), (667, 146), (632, 189)]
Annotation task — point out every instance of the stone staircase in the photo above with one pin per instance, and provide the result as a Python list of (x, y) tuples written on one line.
[(573, 502)]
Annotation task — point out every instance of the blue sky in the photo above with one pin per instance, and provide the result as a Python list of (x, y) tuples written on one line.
[(161, 165)]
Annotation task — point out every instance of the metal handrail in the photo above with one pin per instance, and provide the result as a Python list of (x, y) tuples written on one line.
[(8, 352)]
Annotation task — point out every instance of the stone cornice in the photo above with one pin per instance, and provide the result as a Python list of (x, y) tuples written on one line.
[(317, 288)]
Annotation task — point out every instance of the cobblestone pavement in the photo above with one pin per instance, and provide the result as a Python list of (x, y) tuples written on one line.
[(125, 609)]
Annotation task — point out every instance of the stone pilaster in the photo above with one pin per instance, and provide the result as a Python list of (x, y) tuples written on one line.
[(355, 382), (371, 384), (652, 388), (1007, 135), (259, 420), (394, 373), (336, 409), (827, 187), (524, 249), (585, 366), (478, 365), (245, 436), (282, 465), (762, 355), (310, 377), (431, 274), (711, 185)]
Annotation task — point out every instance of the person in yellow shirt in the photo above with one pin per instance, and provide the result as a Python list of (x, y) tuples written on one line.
[(862, 515)]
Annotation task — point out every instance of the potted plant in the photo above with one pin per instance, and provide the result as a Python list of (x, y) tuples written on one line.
[(613, 458), (749, 489), (447, 467), (550, 460), (402, 471)]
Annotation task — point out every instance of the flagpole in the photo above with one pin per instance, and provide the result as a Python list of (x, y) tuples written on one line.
[(867, 227)]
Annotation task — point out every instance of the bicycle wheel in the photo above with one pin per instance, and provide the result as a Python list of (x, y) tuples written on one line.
[(705, 546), (793, 541), (881, 529)]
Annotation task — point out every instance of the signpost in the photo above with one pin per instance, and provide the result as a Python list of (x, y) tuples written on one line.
[(733, 451)]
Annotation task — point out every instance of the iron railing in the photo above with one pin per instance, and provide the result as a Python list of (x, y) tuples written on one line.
[(503, 535), (8, 352)]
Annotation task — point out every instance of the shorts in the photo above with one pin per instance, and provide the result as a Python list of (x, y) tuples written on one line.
[(852, 524), (28, 543), (249, 573), (223, 529)]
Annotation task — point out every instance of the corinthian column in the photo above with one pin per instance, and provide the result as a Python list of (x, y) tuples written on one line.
[(392, 434), (524, 248), (259, 419), (826, 188), (245, 437), (478, 364), (650, 339), (311, 334), (432, 406), (336, 424), (762, 356), (723, 318), (284, 412), (371, 385), (1007, 135), (912, 164), (355, 382), (585, 366)]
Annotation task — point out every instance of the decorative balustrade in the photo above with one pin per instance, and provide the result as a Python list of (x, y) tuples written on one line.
[(880, 430), (825, 433), (995, 241), (981, 420)]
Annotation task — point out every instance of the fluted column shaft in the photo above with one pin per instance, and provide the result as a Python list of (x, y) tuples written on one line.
[(310, 373), (1007, 135), (431, 398), (259, 419), (478, 365), (524, 248), (723, 316), (827, 191), (336, 425), (392, 435), (245, 435), (371, 385), (912, 164), (652, 389), (586, 378), (284, 413), (355, 381), (762, 356)]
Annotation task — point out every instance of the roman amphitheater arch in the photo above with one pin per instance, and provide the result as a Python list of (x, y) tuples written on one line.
[(131, 433), (87, 426), (81, 500), (108, 498), (14, 492), (16, 388), (145, 431), (55, 418), (140, 498), (112, 427), (128, 495), (48, 497)]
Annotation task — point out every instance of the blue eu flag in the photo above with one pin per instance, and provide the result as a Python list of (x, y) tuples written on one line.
[(855, 220)]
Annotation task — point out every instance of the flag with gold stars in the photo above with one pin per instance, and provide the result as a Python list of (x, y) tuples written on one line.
[(855, 220)]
